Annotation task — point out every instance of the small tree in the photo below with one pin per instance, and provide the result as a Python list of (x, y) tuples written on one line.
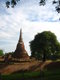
[(44, 45), (1, 52)]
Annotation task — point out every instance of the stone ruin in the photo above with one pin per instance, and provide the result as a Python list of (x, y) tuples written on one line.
[(20, 52)]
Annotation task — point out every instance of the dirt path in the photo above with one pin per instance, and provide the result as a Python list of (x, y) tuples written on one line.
[(28, 66)]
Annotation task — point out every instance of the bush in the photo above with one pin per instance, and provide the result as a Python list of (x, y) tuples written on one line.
[(1, 52)]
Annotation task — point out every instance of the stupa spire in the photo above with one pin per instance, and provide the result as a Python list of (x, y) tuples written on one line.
[(20, 38)]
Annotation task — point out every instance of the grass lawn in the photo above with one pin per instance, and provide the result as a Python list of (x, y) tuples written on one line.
[(46, 75)]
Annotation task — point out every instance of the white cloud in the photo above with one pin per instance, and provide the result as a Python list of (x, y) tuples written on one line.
[(29, 16)]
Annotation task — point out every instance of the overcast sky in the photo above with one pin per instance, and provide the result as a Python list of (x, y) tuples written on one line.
[(29, 16)]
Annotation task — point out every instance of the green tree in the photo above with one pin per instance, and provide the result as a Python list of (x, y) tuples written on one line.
[(1, 52), (44, 45)]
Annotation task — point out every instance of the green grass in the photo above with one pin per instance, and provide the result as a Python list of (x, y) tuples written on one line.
[(20, 75), (52, 75), (46, 75)]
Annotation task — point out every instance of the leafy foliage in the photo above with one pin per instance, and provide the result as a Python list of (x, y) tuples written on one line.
[(12, 3), (44, 45), (1, 52), (43, 2)]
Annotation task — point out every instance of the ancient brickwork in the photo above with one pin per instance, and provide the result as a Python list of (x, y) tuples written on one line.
[(20, 51)]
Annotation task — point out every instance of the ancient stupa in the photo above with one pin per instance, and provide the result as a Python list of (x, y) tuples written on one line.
[(20, 51)]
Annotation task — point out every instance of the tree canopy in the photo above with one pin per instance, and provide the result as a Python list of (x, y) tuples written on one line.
[(44, 45)]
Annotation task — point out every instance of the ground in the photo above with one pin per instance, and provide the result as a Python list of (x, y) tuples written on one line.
[(33, 70), (29, 66)]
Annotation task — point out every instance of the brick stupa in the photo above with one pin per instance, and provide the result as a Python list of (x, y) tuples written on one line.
[(20, 51)]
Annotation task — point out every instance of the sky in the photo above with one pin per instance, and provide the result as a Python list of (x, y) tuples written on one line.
[(29, 16)]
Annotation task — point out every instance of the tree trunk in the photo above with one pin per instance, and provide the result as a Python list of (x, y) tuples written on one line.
[(44, 57)]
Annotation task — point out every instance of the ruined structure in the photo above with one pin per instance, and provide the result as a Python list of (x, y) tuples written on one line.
[(20, 52)]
